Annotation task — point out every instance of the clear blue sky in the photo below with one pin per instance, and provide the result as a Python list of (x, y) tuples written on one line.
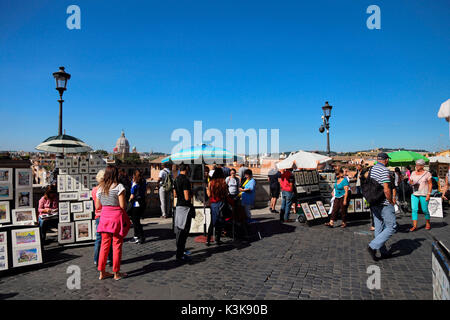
[(149, 67)]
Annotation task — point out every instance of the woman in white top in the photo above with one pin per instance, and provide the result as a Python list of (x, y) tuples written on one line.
[(421, 182), (114, 223)]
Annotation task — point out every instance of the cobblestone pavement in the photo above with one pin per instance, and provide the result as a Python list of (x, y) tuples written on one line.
[(292, 261)]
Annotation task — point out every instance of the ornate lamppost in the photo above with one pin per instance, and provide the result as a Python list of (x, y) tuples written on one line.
[(61, 78)]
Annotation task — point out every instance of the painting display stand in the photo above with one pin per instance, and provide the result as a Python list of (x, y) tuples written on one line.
[(20, 240)]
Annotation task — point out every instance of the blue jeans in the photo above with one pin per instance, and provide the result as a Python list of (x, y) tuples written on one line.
[(286, 203), (43, 228), (98, 242), (385, 225)]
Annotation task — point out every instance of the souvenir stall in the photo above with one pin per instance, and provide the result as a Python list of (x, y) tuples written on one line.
[(75, 181), (20, 241)]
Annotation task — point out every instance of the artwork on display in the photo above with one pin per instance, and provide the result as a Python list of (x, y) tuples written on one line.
[(6, 175), (61, 182), (84, 164), (6, 191), (69, 183), (299, 178), (64, 216), (63, 171), (94, 230), (76, 207), (92, 162), (83, 230), (84, 195), (25, 237), (60, 163), (24, 178), (93, 170), (85, 181), (68, 162), (307, 211), (77, 182), (306, 175), (315, 211), (351, 206), (83, 170), (24, 216), (365, 205), (82, 216), (358, 205), (5, 214), (24, 256), (315, 187), (66, 232), (93, 178), (75, 163), (66, 196), (322, 210), (88, 206), (315, 178), (73, 170), (3, 251), (24, 198), (92, 184), (301, 189), (435, 207)]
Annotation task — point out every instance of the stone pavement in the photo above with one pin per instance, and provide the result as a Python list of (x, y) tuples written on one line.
[(292, 261)]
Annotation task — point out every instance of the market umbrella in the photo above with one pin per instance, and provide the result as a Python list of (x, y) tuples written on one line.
[(200, 155), (303, 159), (444, 112), (404, 158), (63, 144)]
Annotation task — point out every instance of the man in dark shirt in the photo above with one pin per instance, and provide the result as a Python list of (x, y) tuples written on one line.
[(184, 212)]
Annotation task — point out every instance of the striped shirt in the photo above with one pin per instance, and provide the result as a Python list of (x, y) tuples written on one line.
[(380, 174), (112, 199)]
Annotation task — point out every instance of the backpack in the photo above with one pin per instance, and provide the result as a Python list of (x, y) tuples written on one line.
[(372, 190), (167, 183)]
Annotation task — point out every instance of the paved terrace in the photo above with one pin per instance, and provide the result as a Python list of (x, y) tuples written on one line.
[(292, 261)]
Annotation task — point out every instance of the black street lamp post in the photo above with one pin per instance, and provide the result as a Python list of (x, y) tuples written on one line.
[(61, 78), (326, 123)]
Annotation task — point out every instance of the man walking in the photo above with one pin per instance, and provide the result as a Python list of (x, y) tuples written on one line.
[(384, 213), (184, 212), (165, 190)]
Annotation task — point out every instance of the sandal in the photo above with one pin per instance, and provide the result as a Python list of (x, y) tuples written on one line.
[(120, 276), (344, 225), (105, 276), (329, 225), (413, 229)]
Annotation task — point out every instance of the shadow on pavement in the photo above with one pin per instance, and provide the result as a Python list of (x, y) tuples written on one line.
[(4, 296), (405, 247)]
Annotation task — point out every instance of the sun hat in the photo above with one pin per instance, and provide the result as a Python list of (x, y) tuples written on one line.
[(420, 162)]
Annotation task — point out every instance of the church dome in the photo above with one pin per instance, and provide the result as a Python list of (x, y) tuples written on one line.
[(122, 144)]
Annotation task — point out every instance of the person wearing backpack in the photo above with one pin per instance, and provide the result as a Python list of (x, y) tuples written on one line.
[(165, 190), (376, 188)]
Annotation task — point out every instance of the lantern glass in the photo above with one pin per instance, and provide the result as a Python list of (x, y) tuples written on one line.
[(327, 110)]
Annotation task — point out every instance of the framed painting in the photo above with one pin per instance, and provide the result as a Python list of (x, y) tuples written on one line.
[(92, 162), (435, 207), (366, 206), (299, 178), (63, 171), (82, 216), (24, 178), (6, 191), (5, 214), (60, 163), (67, 196), (73, 170), (76, 207), (94, 230), (3, 238), (3, 255), (315, 177), (66, 232), (84, 195), (93, 170), (84, 164), (92, 178), (75, 162), (24, 216), (6, 175), (68, 162), (64, 216), (24, 198), (24, 256), (83, 170), (61, 183), (322, 210), (359, 205), (307, 211), (85, 182), (69, 184), (77, 182), (25, 237), (92, 185), (351, 206), (315, 211), (88, 206), (83, 230)]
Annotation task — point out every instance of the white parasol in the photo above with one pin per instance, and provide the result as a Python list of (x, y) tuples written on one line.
[(303, 160), (444, 112)]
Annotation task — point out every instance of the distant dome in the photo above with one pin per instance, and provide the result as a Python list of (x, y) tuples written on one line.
[(122, 144)]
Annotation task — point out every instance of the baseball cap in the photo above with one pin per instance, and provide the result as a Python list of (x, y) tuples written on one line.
[(383, 156)]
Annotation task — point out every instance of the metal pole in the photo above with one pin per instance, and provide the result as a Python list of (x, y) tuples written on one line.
[(60, 116), (328, 139)]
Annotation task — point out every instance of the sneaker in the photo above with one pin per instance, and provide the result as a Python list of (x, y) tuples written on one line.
[(187, 252), (134, 240), (275, 211), (184, 258), (373, 253)]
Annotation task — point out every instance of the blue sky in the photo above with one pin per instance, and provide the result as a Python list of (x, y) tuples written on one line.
[(150, 67)]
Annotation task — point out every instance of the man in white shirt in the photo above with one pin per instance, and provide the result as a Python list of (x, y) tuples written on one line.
[(165, 196)]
